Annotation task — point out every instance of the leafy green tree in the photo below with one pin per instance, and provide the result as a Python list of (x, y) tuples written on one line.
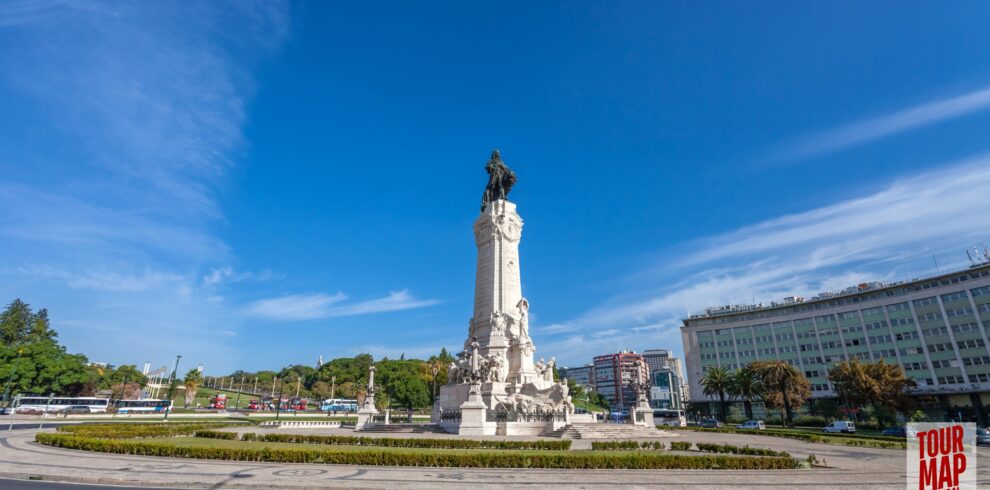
[(879, 385), (785, 386), (402, 382), (43, 367), (746, 386), (20, 325), (192, 381), (715, 382)]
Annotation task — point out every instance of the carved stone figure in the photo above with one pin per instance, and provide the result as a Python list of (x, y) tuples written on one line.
[(498, 323), (500, 180), (522, 309), (548, 369)]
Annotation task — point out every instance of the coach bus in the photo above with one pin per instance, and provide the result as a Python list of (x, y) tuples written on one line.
[(339, 405), (40, 404), (669, 418), (143, 406)]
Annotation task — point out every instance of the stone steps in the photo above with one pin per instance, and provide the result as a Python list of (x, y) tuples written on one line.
[(404, 428), (605, 431)]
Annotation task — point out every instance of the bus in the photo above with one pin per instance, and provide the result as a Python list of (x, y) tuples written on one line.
[(40, 404), (669, 418), (143, 406), (296, 403), (339, 405), (218, 401)]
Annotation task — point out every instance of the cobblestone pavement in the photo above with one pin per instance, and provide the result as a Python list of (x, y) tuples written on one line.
[(21, 458)]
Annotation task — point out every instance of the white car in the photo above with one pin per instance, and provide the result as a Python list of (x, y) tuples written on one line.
[(843, 426), (752, 424)]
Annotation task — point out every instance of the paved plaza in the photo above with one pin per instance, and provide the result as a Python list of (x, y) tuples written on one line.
[(21, 458)]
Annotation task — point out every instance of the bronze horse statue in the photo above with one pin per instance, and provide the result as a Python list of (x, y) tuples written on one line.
[(500, 180)]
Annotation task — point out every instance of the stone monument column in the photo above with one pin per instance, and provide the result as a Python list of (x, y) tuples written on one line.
[(366, 415)]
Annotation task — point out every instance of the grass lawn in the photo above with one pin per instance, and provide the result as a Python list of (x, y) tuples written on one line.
[(837, 439)]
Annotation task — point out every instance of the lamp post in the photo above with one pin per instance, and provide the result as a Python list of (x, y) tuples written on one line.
[(278, 403), (237, 402), (435, 368), (171, 387)]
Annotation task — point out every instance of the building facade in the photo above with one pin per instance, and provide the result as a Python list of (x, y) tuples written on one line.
[(616, 376), (658, 359), (665, 389), (935, 328), (583, 376)]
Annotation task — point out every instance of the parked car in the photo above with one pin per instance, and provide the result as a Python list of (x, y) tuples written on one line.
[(844, 426), (752, 424), (894, 432), (77, 409), (982, 437), (710, 424)]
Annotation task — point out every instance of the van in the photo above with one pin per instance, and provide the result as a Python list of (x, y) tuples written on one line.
[(843, 426)]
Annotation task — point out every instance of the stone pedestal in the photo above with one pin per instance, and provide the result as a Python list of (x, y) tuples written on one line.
[(473, 414), (366, 416), (643, 413)]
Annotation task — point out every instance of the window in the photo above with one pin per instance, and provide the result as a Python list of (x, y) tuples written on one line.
[(912, 351), (812, 374), (915, 366), (930, 316), (906, 336), (885, 353), (872, 311), (898, 307), (944, 363), (876, 325), (958, 312), (825, 318), (979, 378), (976, 361), (931, 332), (879, 339), (939, 347), (965, 327), (961, 295), (852, 342), (951, 380), (970, 344), (925, 302), (902, 321), (983, 291)]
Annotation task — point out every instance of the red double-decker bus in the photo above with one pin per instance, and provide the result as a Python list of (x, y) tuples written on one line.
[(219, 401)]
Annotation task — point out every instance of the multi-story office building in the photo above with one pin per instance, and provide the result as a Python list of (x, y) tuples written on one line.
[(616, 376), (657, 359), (935, 328), (665, 392), (583, 376)]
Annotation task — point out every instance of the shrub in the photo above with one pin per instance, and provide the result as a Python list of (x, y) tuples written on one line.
[(383, 456), (626, 445), (680, 446), (395, 442), (133, 431), (214, 434), (746, 450), (811, 421)]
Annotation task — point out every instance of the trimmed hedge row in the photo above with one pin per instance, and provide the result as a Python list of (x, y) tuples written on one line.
[(680, 446), (627, 445), (134, 431), (562, 445), (731, 449), (386, 457), (847, 439)]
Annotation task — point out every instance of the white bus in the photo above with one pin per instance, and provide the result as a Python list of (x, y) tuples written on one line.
[(339, 405), (40, 404), (669, 418), (143, 406)]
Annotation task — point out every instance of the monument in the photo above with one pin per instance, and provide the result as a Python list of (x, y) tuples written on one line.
[(495, 387), (366, 415)]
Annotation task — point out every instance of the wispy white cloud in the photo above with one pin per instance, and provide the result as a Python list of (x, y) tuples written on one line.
[(103, 280), (862, 132), (227, 275), (888, 235), (319, 305)]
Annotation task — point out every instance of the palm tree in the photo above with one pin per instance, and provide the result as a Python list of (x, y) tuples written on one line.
[(744, 384), (781, 377), (716, 382), (192, 381)]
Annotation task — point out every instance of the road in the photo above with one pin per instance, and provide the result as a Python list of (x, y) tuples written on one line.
[(21, 458)]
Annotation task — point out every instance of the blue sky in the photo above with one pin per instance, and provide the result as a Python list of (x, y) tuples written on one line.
[(254, 185)]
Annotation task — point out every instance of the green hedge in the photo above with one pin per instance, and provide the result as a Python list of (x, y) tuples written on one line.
[(844, 439), (393, 442), (133, 431), (387, 457), (680, 446), (746, 450), (627, 445)]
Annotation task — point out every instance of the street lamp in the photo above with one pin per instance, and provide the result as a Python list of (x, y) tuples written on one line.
[(171, 387), (436, 370), (278, 404)]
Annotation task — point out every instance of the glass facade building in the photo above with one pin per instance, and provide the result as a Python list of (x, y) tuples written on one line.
[(935, 328)]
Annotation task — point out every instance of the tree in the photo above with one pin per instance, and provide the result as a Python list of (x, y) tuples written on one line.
[(745, 385), (43, 367), (879, 385), (716, 382), (785, 386), (192, 381), (20, 325), (402, 383)]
